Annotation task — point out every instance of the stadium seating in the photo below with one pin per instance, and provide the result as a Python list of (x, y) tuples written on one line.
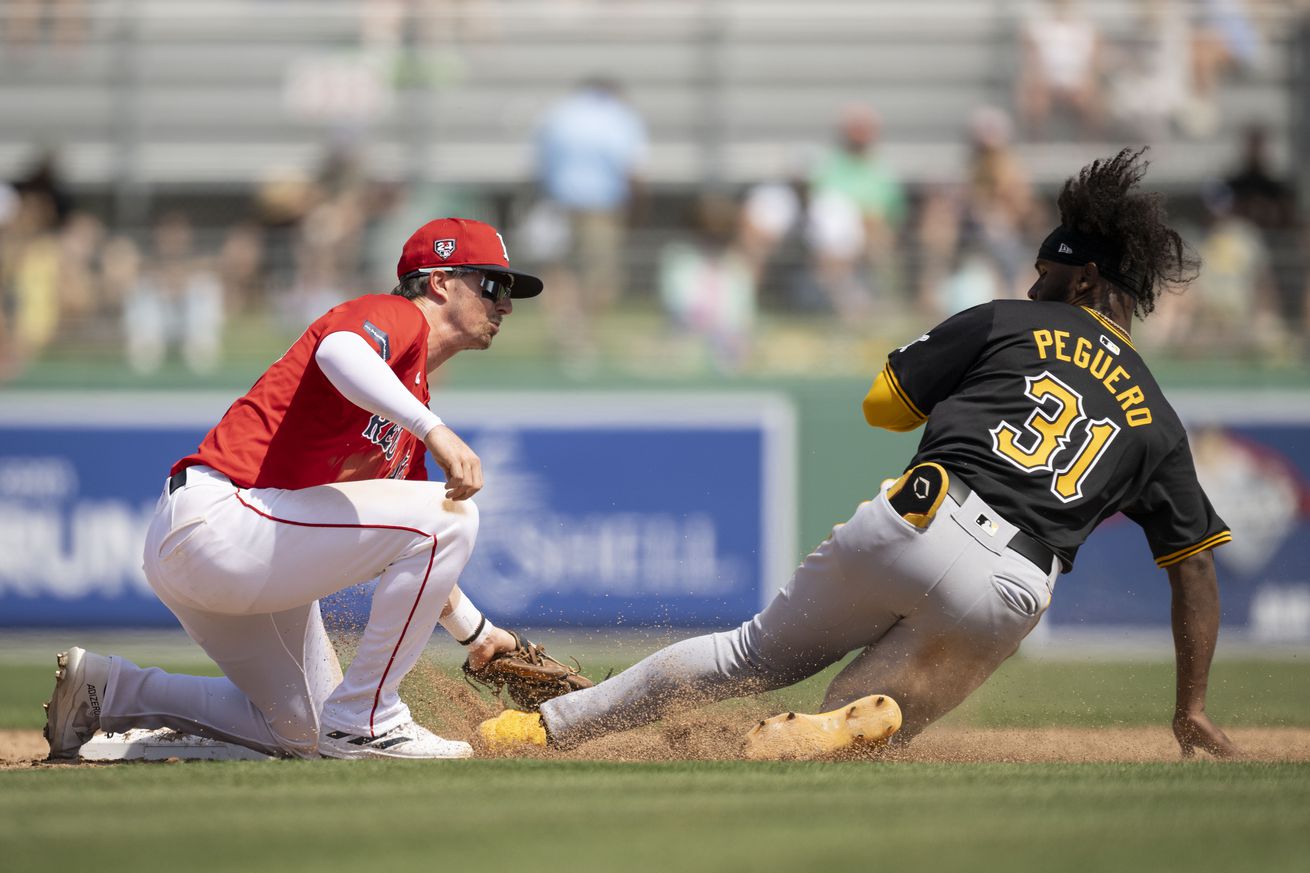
[(223, 91)]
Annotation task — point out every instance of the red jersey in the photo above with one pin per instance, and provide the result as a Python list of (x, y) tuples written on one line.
[(293, 429)]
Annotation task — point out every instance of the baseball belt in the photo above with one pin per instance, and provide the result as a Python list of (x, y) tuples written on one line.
[(177, 480), (1027, 546), (918, 494)]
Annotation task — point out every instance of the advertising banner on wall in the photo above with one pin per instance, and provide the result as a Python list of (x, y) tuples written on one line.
[(598, 509), (1252, 456), (621, 510)]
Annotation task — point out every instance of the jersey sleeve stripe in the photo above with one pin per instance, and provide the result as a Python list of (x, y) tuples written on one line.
[(1209, 542), (900, 392)]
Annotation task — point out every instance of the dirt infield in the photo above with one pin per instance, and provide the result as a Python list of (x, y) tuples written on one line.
[(716, 733), (716, 741), (21, 748), (453, 709)]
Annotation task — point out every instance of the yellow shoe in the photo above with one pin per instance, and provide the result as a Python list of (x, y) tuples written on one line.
[(870, 720), (512, 729)]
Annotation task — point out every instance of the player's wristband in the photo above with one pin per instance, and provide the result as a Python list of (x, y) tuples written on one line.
[(466, 624)]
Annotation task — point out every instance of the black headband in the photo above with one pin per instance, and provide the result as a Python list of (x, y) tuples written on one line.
[(1065, 245)]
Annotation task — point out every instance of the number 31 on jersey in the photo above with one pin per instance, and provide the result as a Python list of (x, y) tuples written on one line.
[(1042, 444)]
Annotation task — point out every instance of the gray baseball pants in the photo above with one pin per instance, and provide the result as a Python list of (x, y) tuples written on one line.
[(935, 611)]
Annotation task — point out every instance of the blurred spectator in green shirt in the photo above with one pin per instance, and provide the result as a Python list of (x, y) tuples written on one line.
[(857, 208)]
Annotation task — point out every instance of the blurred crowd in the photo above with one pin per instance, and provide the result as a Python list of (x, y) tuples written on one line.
[(847, 238), (836, 235), (70, 279), (1166, 78)]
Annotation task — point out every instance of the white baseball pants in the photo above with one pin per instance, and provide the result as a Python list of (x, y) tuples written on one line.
[(243, 569), (935, 612)]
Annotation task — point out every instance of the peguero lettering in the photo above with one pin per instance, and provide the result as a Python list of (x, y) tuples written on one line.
[(1100, 363)]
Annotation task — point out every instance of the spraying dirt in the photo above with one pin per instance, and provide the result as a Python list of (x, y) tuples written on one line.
[(713, 733), (453, 709)]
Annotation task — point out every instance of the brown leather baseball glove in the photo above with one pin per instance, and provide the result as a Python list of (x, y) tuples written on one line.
[(528, 674)]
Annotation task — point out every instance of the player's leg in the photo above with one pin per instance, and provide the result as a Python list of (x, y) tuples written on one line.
[(839, 599), (938, 655), (324, 539), (411, 592), (217, 549), (278, 670)]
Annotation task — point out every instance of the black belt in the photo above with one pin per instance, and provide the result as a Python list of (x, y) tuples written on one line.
[(177, 480), (1029, 547)]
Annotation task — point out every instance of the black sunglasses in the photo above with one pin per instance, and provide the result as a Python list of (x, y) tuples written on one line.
[(496, 287)]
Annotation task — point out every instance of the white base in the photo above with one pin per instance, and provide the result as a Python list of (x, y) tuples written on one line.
[(139, 744)]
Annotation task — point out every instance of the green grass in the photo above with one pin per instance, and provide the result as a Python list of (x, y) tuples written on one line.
[(581, 816), (1024, 693), (1027, 693), (24, 687)]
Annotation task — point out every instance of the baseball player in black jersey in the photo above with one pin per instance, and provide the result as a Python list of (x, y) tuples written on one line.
[(1041, 421)]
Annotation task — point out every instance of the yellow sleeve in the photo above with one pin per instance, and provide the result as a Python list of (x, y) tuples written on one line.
[(887, 406)]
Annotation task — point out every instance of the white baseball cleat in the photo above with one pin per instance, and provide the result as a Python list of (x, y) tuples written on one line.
[(868, 721), (72, 715), (409, 741), (160, 744)]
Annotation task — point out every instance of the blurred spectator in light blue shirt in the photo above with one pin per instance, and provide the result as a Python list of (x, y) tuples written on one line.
[(591, 148), (1225, 40)]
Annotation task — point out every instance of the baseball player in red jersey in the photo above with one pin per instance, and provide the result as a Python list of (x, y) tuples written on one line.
[(312, 482), (1041, 421)]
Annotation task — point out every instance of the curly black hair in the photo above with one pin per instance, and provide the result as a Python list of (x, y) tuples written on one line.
[(1102, 200)]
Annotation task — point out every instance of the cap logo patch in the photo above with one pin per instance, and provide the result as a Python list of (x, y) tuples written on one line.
[(444, 248), (1064, 249)]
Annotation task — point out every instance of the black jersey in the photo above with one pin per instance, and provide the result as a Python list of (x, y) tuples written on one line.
[(1048, 412)]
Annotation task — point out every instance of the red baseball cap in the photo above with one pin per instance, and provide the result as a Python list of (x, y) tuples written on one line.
[(463, 242)]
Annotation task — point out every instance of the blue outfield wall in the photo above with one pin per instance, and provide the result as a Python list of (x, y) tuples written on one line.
[(598, 509), (1252, 456), (619, 509)]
